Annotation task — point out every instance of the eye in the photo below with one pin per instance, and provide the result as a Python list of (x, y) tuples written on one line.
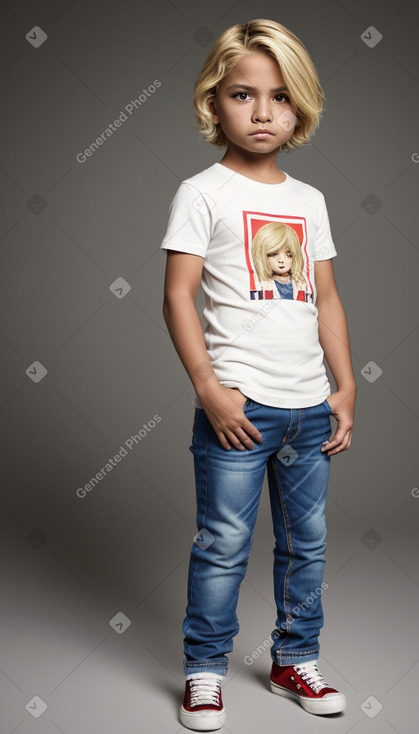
[(283, 96), (241, 95)]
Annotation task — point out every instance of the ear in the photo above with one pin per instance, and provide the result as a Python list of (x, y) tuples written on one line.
[(212, 110)]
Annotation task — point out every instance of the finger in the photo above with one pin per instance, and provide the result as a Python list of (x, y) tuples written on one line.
[(223, 441), (336, 439), (229, 440), (251, 429), (242, 437), (334, 447), (338, 450), (239, 439)]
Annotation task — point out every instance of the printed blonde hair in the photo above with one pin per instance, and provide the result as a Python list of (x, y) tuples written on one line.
[(295, 64), (273, 237)]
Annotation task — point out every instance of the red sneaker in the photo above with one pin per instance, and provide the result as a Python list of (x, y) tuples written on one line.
[(202, 708), (306, 684)]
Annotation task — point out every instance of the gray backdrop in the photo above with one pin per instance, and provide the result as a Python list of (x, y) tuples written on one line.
[(93, 575)]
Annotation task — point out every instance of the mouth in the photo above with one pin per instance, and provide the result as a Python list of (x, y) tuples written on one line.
[(261, 133)]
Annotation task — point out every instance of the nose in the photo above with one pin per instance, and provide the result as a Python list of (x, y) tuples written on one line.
[(262, 111)]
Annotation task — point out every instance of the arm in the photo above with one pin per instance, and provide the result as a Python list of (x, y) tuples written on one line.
[(334, 339), (223, 406)]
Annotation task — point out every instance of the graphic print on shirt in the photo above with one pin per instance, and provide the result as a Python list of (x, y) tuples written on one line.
[(276, 257)]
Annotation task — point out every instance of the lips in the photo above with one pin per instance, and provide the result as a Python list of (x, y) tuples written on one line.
[(262, 132)]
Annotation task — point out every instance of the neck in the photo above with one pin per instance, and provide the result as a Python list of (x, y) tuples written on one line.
[(258, 166)]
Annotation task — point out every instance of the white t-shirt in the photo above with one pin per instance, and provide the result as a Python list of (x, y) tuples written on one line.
[(261, 336)]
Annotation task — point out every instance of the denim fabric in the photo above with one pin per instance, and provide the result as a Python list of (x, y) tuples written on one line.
[(228, 487)]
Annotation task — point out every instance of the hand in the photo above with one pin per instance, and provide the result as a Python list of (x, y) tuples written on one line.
[(224, 409), (342, 404)]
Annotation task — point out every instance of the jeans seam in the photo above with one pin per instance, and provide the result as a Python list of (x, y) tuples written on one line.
[(203, 519), (291, 653), (285, 516), (196, 664), (195, 415), (297, 431)]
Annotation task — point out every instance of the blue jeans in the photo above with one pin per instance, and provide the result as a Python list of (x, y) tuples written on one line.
[(228, 487)]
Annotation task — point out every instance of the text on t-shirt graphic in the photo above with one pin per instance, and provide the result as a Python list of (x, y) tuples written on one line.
[(275, 249)]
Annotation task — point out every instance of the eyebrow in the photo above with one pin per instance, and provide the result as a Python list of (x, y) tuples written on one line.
[(252, 89)]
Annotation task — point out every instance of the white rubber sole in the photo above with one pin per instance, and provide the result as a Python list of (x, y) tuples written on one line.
[(206, 720), (332, 703)]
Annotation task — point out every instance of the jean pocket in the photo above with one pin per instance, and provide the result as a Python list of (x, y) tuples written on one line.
[(327, 406), (195, 418)]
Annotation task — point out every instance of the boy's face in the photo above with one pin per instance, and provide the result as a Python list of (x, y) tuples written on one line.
[(249, 99), (280, 261)]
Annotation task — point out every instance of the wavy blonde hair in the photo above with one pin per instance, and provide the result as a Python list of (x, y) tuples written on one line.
[(295, 64), (273, 237)]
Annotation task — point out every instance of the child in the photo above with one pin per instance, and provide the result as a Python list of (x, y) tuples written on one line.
[(279, 262), (262, 397)]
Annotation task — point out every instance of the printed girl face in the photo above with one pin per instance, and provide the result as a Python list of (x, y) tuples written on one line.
[(280, 261), (253, 105)]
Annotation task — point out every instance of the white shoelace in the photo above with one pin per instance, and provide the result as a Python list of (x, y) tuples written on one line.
[(205, 689), (312, 676)]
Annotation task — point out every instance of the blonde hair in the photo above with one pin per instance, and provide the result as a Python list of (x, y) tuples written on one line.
[(273, 237), (295, 64)]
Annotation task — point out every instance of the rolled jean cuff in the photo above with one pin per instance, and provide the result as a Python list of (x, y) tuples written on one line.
[(294, 658), (215, 665)]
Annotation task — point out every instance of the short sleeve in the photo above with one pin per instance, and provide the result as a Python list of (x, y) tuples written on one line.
[(324, 247), (190, 222)]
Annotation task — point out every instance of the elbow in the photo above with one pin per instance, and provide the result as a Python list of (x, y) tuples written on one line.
[(166, 309), (175, 305)]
